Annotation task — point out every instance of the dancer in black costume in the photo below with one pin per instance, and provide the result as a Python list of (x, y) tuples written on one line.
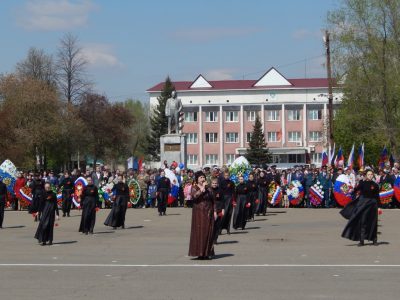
[(116, 217), (44, 232), (362, 213)]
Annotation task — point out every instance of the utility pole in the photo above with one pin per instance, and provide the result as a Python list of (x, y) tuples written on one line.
[(330, 88)]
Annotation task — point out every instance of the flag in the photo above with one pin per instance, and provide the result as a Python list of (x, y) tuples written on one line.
[(350, 160), (140, 164), (332, 155), (339, 158), (361, 156), (383, 158), (325, 160), (129, 162), (135, 164), (391, 160)]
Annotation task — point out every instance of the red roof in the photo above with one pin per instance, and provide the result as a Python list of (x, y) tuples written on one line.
[(245, 85)]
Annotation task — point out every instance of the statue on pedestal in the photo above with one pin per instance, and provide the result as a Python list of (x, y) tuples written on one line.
[(173, 108)]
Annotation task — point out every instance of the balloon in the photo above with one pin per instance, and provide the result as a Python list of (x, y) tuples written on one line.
[(181, 166)]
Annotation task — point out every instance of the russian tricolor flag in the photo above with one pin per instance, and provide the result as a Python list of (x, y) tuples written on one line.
[(361, 156), (340, 158), (384, 157), (350, 160), (325, 159)]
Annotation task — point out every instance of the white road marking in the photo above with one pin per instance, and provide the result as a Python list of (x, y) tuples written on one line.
[(199, 265)]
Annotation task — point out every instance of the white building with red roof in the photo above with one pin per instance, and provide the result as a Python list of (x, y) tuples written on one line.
[(219, 117)]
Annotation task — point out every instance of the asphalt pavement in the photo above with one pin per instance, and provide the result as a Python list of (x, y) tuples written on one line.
[(287, 254)]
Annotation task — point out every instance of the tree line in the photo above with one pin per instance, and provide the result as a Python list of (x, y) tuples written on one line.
[(50, 116), (366, 59)]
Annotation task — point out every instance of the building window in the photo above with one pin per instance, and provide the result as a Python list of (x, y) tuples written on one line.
[(315, 136), (191, 116), (251, 116), (275, 159), (316, 158), (248, 137), (211, 159), (192, 138), (294, 115), (232, 116), (232, 137), (315, 114), (294, 136), (211, 137), (272, 136), (192, 159), (211, 116), (296, 158), (273, 115), (230, 158)]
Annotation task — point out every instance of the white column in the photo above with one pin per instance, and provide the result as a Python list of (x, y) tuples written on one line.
[(200, 136), (221, 139), (283, 125), (241, 127), (304, 125), (263, 118)]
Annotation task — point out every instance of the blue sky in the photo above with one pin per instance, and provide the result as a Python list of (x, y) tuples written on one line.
[(133, 45)]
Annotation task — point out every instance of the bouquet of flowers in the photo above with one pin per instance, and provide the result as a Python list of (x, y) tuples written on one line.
[(316, 194), (240, 167), (274, 193), (295, 192), (386, 193)]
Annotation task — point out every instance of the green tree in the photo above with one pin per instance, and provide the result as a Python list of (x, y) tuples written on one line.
[(258, 153), (158, 121), (137, 141), (107, 126), (366, 52)]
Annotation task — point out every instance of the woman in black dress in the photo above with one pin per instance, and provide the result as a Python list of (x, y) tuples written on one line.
[(89, 201), (44, 232), (362, 213), (241, 209), (116, 217)]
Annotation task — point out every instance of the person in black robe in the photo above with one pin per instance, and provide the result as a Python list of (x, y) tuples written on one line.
[(116, 217), (89, 202), (202, 229), (362, 213), (227, 188), (163, 189), (253, 195), (263, 186), (44, 232), (219, 209), (38, 195), (242, 205), (67, 185), (3, 200)]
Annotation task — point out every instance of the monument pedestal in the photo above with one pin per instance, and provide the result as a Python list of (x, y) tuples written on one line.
[(173, 148)]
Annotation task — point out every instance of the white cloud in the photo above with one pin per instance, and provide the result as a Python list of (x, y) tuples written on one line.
[(100, 55), (302, 34), (209, 34), (219, 74), (51, 15)]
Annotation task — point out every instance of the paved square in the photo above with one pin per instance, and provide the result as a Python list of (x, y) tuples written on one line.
[(288, 254)]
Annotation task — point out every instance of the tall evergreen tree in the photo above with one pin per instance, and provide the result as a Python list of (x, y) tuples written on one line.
[(158, 120), (258, 152)]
